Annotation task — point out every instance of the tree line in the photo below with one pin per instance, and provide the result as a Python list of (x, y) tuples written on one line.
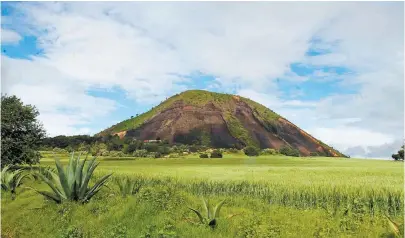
[(23, 136)]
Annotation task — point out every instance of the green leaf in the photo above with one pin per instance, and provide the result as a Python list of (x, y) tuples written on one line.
[(218, 208), (393, 226), (62, 178), (207, 208), (198, 214), (91, 192)]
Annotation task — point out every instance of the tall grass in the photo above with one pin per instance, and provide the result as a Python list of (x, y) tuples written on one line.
[(355, 199)]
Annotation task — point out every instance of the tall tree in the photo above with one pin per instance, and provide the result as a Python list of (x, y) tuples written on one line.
[(399, 155), (21, 132)]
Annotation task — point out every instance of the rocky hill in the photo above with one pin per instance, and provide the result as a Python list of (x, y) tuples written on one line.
[(218, 120)]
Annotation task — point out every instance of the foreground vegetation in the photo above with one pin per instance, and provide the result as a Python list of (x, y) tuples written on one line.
[(265, 196)]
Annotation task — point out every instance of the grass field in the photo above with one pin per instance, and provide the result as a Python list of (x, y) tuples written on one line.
[(270, 196)]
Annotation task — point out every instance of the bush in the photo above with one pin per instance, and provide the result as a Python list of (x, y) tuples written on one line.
[(116, 154), (204, 156), (104, 152), (269, 152), (233, 151), (289, 151), (151, 147), (59, 150), (313, 154), (164, 150), (155, 155), (174, 155), (251, 151), (140, 153), (216, 154)]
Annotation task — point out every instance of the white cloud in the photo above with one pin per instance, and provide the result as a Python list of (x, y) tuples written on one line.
[(351, 136), (144, 48), (9, 36), (64, 106)]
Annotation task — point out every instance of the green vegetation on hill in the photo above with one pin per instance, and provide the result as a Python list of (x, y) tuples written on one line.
[(237, 130), (196, 98)]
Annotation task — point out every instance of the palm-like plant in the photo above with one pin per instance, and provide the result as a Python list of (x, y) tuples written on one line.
[(211, 218), (72, 183), (127, 187), (11, 180)]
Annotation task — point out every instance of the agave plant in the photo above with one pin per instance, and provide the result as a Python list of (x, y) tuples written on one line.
[(396, 229), (45, 171), (11, 180), (212, 215), (72, 183), (127, 186)]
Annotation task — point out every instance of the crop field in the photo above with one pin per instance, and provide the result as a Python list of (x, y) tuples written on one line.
[(265, 196)]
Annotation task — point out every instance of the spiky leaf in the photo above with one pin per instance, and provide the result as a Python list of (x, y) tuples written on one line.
[(198, 214)]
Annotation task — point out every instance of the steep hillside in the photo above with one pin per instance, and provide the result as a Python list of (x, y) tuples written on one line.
[(218, 120)]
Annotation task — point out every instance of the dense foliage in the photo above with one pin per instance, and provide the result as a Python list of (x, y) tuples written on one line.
[(251, 151), (289, 151), (400, 155), (21, 132), (114, 146), (11, 180), (216, 154)]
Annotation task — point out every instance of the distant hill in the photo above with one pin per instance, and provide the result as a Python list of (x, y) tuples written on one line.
[(218, 120)]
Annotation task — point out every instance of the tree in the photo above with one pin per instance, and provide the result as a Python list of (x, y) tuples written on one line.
[(400, 155), (289, 151), (21, 133), (251, 151), (216, 154)]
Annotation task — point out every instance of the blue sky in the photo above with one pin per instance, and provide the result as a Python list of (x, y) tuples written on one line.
[(99, 69)]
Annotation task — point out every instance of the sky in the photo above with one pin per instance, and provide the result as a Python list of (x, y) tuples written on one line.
[(335, 69)]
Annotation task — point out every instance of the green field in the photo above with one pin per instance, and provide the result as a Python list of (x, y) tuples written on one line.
[(270, 196)]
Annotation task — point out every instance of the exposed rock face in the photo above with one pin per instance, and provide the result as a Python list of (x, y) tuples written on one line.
[(233, 121)]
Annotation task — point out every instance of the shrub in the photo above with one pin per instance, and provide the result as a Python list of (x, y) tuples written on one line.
[(127, 186), (193, 148), (72, 183), (313, 154), (233, 151), (269, 152), (216, 154), (155, 155), (251, 151), (11, 180), (212, 214), (289, 151), (204, 156), (116, 154), (164, 150), (174, 155), (140, 153), (59, 150), (151, 147), (104, 152)]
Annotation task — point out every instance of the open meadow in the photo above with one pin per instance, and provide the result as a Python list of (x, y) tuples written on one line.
[(266, 196)]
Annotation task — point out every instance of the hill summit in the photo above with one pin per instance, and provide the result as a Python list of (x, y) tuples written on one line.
[(218, 120)]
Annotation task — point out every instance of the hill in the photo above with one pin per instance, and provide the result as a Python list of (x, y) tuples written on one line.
[(218, 120)]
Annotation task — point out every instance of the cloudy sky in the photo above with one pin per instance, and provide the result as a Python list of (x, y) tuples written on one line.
[(334, 69)]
